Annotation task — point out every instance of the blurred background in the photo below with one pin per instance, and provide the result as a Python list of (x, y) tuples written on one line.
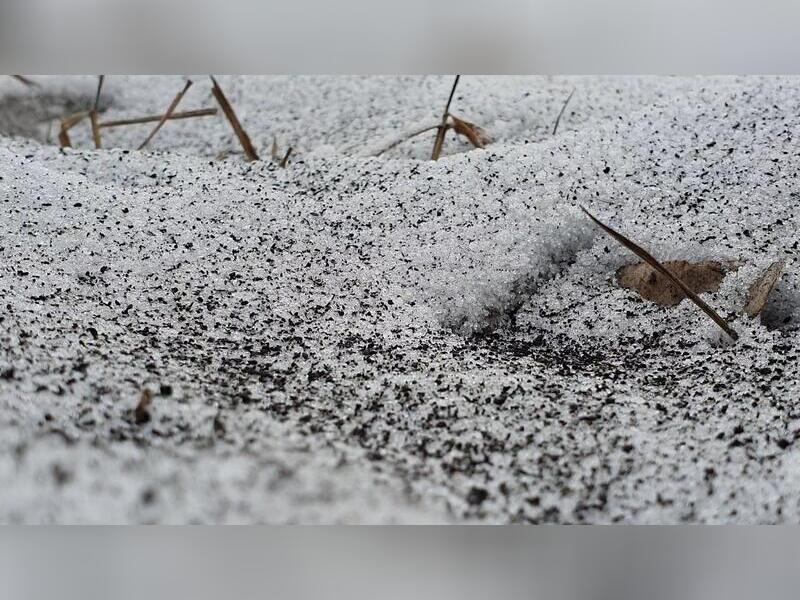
[(413, 36)]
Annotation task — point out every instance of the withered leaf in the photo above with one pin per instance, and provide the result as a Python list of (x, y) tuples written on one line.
[(759, 292), (141, 414), (476, 135), (700, 277), (656, 265)]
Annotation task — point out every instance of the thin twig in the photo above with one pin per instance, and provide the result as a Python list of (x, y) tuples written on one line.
[(200, 112), (93, 112), (95, 129), (439, 141), (244, 139), (406, 138), (286, 156), (100, 80), (170, 109), (649, 259), (561, 113)]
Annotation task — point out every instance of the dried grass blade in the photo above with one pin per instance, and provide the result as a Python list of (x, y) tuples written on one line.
[(68, 123), (244, 139), (286, 156), (93, 113), (438, 143), (563, 109), (63, 138), (170, 109), (649, 259), (100, 80), (95, 129), (200, 112), (406, 138), (274, 152)]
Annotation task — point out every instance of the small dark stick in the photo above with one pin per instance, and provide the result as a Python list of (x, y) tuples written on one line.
[(561, 113), (100, 80), (650, 260), (26, 81), (439, 141), (244, 139), (93, 112), (170, 109)]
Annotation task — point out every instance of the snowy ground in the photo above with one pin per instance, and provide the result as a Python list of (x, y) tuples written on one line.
[(334, 341)]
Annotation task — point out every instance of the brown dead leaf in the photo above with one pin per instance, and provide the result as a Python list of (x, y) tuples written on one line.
[(701, 277), (472, 132), (141, 414), (656, 265), (759, 292)]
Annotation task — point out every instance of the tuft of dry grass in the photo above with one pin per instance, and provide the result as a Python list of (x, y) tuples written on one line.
[(244, 139), (167, 115), (649, 259)]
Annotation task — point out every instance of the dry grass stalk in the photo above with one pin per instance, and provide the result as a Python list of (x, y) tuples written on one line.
[(759, 292), (406, 138), (563, 109), (141, 414), (93, 113), (285, 159), (649, 259), (95, 129), (63, 138), (274, 152), (170, 109), (100, 80), (188, 114), (442, 129), (244, 139), (26, 81)]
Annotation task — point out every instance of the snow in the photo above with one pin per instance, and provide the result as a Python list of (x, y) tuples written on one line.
[(390, 339)]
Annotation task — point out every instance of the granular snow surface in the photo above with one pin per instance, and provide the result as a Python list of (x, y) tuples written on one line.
[(390, 339)]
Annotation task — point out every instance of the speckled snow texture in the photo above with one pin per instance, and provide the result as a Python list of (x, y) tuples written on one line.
[(357, 339)]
